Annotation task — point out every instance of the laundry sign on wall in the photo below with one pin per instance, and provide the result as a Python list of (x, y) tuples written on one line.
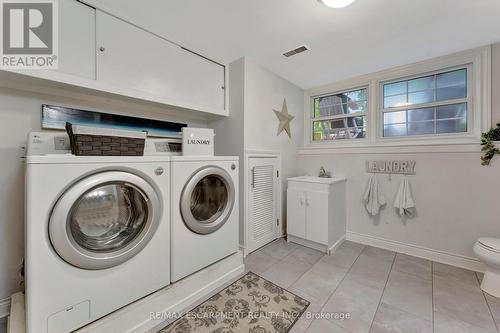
[(405, 167)]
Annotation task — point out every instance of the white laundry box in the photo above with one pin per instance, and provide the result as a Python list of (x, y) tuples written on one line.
[(197, 141)]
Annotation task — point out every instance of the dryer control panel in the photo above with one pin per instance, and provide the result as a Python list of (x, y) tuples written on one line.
[(167, 146), (48, 143)]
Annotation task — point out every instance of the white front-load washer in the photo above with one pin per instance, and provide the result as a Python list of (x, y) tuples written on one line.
[(204, 212), (97, 233)]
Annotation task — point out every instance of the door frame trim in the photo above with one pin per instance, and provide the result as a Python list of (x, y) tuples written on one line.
[(251, 153)]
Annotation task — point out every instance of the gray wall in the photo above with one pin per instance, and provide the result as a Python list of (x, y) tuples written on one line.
[(252, 125), (265, 91), (229, 131)]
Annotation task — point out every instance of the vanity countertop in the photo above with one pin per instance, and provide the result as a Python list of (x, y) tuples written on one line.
[(318, 180)]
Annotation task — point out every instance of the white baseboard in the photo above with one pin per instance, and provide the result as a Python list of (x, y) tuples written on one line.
[(320, 247), (336, 245), (307, 243), (137, 317), (243, 250), (17, 318), (4, 307), (469, 263)]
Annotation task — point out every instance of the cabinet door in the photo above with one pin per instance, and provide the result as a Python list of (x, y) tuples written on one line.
[(296, 213), (76, 39), (262, 202), (132, 58), (317, 217), (203, 80)]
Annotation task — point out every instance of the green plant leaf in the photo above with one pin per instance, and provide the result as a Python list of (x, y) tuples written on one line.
[(489, 150)]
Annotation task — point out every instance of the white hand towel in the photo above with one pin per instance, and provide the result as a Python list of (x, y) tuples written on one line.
[(373, 198), (404, 203)]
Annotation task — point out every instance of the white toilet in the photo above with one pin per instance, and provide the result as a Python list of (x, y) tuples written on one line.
[(488, 250)]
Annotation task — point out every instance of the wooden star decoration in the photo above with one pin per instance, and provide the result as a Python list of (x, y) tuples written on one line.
[(284, 119)]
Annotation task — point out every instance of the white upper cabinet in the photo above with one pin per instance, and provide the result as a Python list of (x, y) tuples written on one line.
[(77, 39), (133, 58), (105, 54)]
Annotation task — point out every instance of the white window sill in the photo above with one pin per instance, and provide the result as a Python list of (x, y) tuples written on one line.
[(465, 145)]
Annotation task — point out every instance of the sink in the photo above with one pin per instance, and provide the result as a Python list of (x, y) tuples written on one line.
[(315, 179)]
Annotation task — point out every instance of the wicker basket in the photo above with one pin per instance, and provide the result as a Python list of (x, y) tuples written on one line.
[(90, 141)]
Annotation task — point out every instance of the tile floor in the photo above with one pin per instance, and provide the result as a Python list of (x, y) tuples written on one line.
[(381, 290)]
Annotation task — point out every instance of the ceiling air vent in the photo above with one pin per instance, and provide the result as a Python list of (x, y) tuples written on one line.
[(298, 50)]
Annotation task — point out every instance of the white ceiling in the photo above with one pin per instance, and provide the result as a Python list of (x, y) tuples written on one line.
[(367, 36)]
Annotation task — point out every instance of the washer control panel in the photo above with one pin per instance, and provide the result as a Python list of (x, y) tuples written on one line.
[(48, 143), (166, 146)]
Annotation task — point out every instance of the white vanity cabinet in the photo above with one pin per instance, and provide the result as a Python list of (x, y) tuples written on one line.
[(132, 58), (316, 212)]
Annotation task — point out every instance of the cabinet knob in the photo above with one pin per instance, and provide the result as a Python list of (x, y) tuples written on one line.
[(102, 49)]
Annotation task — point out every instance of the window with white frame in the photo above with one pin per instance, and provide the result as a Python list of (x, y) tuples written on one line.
[(340, 115), (441, 101), (429, 105)]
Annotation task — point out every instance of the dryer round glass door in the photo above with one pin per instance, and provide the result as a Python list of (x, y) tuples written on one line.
[(207, 200), (104, 220)]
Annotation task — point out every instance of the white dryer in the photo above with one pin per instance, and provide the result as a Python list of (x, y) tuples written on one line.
[(204, 212), (97, 233)]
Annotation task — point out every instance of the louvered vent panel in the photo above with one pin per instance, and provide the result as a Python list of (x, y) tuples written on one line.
[(263, 202), (298, 50)]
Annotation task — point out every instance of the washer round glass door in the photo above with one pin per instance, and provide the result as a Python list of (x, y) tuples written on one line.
[(207, 200), (104, 220)]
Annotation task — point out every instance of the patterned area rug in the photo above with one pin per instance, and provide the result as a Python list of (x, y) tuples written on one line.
[(252, 304)]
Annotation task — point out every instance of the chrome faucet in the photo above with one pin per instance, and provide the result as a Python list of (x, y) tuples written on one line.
[(323, 173)]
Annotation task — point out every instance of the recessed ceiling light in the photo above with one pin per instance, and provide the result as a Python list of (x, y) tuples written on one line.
[(336, 3)]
